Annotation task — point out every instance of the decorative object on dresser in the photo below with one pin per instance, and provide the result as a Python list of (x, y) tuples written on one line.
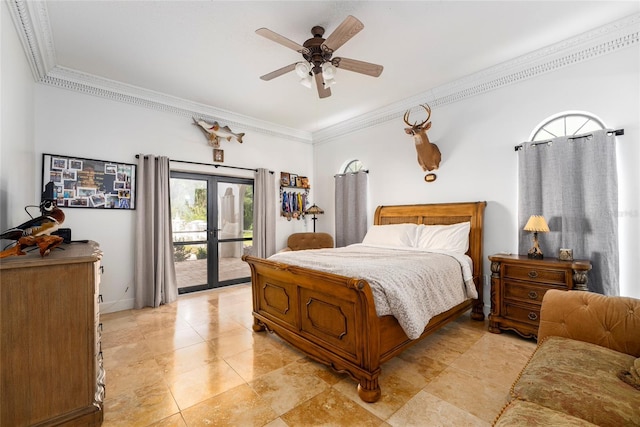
[(537, 224), (518, 284), (314, 210), (332, 317), (51, 370)]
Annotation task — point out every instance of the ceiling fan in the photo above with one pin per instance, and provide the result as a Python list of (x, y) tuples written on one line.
[(317, 52)]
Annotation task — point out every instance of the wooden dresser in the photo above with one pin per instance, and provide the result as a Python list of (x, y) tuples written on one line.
[(518, 284), (51, 369)]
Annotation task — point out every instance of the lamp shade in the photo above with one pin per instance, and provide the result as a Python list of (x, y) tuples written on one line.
[(314, 210), (302, 69), (537, 223)]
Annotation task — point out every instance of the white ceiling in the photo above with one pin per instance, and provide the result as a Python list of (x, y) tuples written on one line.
[(207, 52)]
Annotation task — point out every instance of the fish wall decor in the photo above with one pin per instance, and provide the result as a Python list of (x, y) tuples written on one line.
[(214, 132)]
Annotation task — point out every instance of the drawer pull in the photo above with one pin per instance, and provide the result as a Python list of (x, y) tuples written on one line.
[(533, 295), (533, 274), (532, 316)]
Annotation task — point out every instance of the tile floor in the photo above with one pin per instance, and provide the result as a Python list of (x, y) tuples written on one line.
[(196, 362)]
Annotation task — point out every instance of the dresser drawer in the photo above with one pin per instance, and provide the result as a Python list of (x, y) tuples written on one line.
[(526, 292), (535, 274), (525, 314)]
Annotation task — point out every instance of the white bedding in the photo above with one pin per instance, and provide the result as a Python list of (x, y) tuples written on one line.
[(411, 284)]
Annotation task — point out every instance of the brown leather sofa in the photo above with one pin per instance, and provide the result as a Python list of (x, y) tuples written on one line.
[(302, 241), (579, 373)]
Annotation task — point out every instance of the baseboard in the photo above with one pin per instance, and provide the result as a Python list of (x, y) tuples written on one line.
[(113, 306)]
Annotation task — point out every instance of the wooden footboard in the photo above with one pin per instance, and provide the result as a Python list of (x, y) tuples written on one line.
[(329, 317)]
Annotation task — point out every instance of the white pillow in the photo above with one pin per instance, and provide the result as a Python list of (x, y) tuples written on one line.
[(450, 238), (401, 235)]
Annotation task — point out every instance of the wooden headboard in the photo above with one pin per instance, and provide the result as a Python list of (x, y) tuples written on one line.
[(442, 213)]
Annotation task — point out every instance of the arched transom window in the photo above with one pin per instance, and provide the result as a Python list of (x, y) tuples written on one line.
[(566, 124), (353, 166)]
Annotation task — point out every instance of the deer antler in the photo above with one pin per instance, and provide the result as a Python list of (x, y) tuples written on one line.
[(416, 125)]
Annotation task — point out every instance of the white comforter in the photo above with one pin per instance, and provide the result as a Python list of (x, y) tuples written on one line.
[(410, 284)]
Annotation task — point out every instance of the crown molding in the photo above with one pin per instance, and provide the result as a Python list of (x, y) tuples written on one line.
[(32, 22), (67, 78)]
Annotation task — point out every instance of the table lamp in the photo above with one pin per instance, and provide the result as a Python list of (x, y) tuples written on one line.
[(314, 210), (537, 224)]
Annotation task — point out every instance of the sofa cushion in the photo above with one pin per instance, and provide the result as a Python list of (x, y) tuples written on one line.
[(521, 413), (580, 379)]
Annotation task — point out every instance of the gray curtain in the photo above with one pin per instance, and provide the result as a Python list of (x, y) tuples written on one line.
[(155, 276), (351, 208), (264, 216), (572, 182)]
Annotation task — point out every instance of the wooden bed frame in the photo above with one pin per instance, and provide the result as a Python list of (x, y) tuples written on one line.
[(333, 319)]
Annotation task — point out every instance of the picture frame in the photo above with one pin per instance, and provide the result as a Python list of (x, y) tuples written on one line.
[(218, 155), (90, 183), (284, 179), (293, 180)]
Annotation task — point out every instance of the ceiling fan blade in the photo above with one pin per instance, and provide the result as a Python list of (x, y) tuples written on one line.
[(267, 33), (356, 66), (347, 29), (279, 72), (323, 91)]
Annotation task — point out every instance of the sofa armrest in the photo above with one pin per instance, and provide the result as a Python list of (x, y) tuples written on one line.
[(608, 321)]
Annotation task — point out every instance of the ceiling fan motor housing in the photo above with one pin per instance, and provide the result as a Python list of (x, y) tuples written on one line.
[(318, 53)]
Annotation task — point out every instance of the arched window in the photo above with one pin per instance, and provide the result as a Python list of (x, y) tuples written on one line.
[(566, 124), (353, 166)]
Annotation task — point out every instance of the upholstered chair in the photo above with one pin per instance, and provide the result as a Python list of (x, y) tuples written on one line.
[(302, 241)]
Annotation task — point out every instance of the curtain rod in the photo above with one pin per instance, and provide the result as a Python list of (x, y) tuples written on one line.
[(211, 164), (617, 132), (352, 173)]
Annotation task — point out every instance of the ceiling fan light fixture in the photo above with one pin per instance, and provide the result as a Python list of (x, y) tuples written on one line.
[(302, 70), (306, 81), (328, 71)]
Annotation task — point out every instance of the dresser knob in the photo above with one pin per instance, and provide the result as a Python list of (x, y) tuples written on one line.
[(533, 295), (533, 274), (532, 316)]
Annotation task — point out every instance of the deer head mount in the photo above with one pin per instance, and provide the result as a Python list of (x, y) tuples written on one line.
[(428, 154)]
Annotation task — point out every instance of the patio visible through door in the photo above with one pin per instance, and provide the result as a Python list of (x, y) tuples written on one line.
[(212, 220)]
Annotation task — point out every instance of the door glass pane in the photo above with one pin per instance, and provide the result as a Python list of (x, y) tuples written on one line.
[(189, 210), (230, 210), (230, 265), (189, 224), (235, 225), (191, 264)]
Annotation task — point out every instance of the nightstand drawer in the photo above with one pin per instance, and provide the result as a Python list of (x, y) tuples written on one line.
[(534, 274), (524, 314), (526, 292)]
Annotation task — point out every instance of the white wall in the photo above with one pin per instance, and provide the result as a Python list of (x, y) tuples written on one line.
[(74, 124), (477, 136), (16, 127)]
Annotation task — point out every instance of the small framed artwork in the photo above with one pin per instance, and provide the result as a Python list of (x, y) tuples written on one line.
[(218, 155), (293, 180), (90, 183), (284, 179), (304, 182)]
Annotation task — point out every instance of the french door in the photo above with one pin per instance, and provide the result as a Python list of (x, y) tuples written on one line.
[(212, 220)]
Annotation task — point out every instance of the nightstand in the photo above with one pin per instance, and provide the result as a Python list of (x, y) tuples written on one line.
[(518, 284)]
